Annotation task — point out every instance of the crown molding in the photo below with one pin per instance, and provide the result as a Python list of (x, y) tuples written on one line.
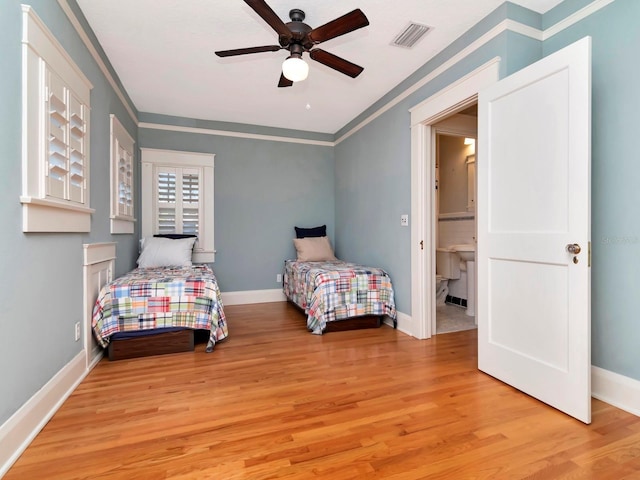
[(64, 4)]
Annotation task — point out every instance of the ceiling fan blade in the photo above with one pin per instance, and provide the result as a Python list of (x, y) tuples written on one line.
[(274, 21), (284, 81), (244, 51), (335, 62), (344, 24)]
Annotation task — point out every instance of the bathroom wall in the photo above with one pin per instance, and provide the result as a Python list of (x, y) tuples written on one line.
[(455, 231), (456, 224), (451, 155)]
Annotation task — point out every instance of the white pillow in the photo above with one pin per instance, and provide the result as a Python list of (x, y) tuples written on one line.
[(314, 249), (166, 252)]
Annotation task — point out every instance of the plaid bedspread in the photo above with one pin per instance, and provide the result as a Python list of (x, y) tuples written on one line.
[(330, 291), (148, 298)]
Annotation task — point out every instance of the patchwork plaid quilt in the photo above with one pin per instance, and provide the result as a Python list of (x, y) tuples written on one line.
[(330, 291), (148, 298)]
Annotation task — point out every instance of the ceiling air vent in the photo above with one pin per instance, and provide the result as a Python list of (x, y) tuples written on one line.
[(410, 35)]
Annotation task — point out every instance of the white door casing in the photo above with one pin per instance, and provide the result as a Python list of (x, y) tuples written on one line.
[(533, 172), (452, 99)]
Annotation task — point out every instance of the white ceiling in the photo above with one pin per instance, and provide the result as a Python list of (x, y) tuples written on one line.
[(163, 51)]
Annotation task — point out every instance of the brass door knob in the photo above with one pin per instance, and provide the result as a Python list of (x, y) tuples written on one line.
[(573, 248)]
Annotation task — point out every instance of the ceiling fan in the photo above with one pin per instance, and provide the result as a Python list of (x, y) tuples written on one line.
[(298, 37)]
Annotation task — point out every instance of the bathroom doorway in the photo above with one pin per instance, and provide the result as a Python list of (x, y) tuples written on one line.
[(454, 220), (443, 104)]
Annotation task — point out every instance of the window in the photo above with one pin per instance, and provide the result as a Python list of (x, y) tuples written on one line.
[(122, 220), (177, 197), (55, 134)]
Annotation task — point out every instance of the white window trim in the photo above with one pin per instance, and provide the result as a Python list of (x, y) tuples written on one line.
[(120, 224), (41, 50), (151, 158)]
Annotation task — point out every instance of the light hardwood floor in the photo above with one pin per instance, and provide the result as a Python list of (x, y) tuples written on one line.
[(274, 401)]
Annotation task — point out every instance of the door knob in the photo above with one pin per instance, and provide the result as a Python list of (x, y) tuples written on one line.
[(573, 248)]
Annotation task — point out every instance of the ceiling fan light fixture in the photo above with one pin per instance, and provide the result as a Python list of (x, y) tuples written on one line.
[(295, 68)]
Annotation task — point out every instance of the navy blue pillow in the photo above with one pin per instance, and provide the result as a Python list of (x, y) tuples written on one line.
[(320, 231), (174, 236)]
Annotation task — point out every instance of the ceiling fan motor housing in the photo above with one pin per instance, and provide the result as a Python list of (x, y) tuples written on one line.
[(299, 31), (296, 15)]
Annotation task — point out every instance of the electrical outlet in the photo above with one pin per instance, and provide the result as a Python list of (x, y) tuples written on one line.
[(404, 220), (279, 278), (77, 331)]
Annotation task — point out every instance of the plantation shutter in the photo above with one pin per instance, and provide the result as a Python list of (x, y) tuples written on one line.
[(125, 187), (57, 159), (77, 144), (166, 204), (66, 156), (190, 201), (179, 200)]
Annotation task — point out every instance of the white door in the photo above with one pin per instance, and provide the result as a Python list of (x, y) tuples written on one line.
[(534, 318)]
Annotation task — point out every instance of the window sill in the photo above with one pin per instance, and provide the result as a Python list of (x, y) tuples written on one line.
[(122, 225), (44, 215), (203, 257)]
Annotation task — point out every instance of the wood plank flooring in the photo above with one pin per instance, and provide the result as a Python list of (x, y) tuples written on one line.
[(276, 402)]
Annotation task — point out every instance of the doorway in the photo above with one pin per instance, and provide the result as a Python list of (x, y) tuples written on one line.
[(454, 220), (454, 99)]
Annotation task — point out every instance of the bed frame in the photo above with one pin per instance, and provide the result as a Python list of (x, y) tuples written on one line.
[(355, 323), (148, 345), (352, 323)]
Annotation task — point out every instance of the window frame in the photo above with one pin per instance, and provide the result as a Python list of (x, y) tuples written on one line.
[(121, 223), (154, 159), (42, 57)]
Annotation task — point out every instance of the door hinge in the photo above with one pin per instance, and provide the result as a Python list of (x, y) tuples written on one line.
[(421, 244), (589, 255)]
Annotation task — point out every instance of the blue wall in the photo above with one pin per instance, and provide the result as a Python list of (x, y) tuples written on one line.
[(263, 189), (41, 274)]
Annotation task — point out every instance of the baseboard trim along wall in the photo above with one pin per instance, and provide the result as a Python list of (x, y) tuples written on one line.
[(22, 427), (615, 389), (253, 296), (404, 323)]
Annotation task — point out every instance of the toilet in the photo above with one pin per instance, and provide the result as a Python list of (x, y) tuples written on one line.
[(447, 268), (442, 289)]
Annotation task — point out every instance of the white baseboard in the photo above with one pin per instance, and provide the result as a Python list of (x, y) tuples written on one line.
[(22, 427), (615, 389), (404, 323), (97, 355), (253, 296)]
